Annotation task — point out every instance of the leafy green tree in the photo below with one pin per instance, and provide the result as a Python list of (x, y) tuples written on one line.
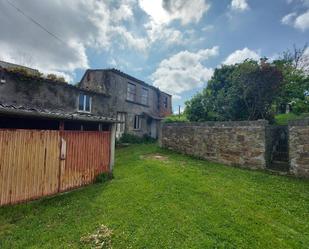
[(295, 68), (243, 91)]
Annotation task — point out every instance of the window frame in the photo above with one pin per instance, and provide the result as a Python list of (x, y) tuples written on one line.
[(165, 102), (145, 90), (137, 120), (84, 110), (131, 92)]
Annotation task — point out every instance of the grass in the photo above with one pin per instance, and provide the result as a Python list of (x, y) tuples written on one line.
[(283, 119), (160, 199)]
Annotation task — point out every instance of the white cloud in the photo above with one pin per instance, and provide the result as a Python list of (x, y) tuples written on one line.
[(239, 5), (303, 2), (184, 71), (302, 21), (161, 14), (158, 32), (165, 11), (298, 21), (289, 18), (81, 24), (239, 56)]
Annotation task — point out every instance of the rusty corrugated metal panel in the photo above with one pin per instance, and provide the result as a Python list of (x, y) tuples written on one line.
[(29, 164), (86, 157)]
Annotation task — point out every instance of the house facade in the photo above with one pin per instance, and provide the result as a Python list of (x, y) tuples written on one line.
[(139, 106), (53, 136), (36, 99)]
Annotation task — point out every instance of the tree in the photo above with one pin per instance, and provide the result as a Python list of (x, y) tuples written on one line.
[(243, 91), (295, 68)]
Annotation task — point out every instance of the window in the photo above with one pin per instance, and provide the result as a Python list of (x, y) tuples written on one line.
[(84, 103), (137, 122), (2, 79), (165, 102), (131, 92), (144, 97)]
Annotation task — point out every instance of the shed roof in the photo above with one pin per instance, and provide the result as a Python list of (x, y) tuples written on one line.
[(9, 109)]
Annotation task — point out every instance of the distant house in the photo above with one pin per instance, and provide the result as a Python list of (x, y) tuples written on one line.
[(138, 105)]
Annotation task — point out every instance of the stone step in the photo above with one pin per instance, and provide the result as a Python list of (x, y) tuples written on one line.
[(279, 165), (280, 156)]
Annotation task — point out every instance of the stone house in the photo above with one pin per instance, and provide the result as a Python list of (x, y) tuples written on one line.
[(53, 136), (138, 105), (28, 101)]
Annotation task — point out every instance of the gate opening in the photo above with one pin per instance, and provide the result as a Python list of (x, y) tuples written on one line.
[(277, 138)]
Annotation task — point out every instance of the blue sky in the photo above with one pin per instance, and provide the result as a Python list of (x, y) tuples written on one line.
[(173, 44)]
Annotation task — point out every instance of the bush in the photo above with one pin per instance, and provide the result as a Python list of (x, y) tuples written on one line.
[(54, 77), (176, 118), (300, 106), (103, 177), (133, 139)]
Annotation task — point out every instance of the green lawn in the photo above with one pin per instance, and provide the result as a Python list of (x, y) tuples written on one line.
[(283, 119), (168, 201)]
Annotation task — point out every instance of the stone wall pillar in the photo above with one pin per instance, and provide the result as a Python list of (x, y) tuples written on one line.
[(299, 147)]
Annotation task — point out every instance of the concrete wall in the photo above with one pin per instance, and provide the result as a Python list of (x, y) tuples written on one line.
[(299, 147), (115, 85), (232, 143), (28, 92)]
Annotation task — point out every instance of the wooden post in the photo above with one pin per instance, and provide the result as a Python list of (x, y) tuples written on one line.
[(112, 148), (61, 126)]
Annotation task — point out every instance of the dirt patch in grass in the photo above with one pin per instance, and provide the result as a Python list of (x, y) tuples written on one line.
[(156, 156), (100, 239)]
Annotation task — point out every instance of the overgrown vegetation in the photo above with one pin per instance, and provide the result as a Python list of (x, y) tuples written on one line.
[(160, 199), (103, 177), (283, 119), (35, 74), (128, 138), (254, 90), (176, 118)]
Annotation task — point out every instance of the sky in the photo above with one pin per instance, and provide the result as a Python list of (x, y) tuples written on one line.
[(172, 44)]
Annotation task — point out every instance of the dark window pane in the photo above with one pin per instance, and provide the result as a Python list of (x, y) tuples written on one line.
[(87, 107), (131, 92), (135, 122), (144, 98), (81, 102)]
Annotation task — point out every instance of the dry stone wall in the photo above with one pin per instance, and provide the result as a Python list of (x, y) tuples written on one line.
[(232, 143), (299, 148)]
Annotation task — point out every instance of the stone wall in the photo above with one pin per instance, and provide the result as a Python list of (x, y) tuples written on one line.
[(299, 147), (232, 143)]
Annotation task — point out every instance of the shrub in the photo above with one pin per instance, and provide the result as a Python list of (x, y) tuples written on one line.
[(176, 118), (103, 177), (54, 77), (133, 139), (300, 106)]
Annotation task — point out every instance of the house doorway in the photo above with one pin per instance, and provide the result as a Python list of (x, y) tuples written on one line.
[(120, 128), (153, 129)]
